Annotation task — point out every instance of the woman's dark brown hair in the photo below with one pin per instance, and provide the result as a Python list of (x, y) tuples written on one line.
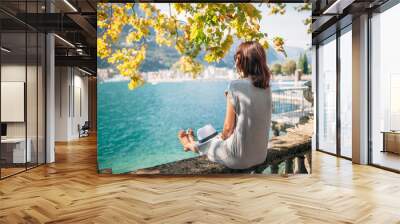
[(251, 62)]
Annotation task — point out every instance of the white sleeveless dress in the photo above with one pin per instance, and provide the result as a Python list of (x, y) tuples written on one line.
[(247, 146)]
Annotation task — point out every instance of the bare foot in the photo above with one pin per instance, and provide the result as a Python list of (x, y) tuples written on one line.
[(183, 138), (190, 135), (192, 142), (194, 148)]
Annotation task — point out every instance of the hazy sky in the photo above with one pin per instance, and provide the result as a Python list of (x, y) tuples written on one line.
[(289, 26)]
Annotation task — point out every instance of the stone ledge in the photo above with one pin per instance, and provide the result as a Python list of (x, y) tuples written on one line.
[(296, 144)]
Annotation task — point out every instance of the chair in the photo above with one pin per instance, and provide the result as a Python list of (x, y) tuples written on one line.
[(84, 130)]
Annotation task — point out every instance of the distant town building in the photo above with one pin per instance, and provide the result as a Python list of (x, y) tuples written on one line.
[(209, 73)]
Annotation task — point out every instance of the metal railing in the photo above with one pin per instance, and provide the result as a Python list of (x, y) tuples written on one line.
[(290, 104)]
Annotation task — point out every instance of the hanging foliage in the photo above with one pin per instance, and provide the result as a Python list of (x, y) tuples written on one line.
[(210, 28)]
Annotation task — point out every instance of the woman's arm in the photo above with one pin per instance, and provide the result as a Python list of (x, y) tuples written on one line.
[(230, 120)]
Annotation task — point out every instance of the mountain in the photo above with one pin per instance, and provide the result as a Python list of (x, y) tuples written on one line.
[(274, 57), (295, 52), (163, 57), (159, 57)]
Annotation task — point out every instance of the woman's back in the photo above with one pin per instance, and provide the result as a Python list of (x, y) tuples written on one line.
[(253, 108), (243, 141)]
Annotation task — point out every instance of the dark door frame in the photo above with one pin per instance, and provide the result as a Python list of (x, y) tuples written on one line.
[(341, 29)]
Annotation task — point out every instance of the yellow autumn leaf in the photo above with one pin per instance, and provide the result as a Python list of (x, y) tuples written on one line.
[(209, 28)]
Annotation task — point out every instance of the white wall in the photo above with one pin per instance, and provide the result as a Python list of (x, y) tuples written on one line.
[(62, 82), (33, 127), (71, 87), (80, 110), (12, 73), (16, 73)]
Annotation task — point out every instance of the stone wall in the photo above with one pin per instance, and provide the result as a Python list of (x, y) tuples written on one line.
[(292, 149)]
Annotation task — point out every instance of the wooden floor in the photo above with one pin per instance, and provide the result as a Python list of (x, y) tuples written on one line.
[(70, 191), (387, 159), (5, 172)]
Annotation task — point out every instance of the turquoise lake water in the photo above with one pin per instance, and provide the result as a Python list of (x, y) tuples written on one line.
[(138, 129)]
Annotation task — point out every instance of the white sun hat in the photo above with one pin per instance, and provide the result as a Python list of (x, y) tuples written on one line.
[(206, 133)]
